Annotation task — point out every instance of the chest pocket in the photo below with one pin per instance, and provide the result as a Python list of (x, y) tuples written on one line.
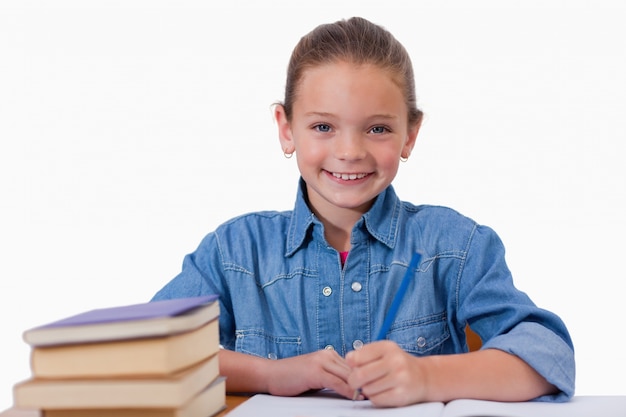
[(264, 345), (423, 336)]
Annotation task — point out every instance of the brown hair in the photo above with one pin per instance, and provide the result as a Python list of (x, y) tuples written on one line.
[(355, 40)]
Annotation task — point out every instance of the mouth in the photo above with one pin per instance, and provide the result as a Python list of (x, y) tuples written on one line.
[(349, 176)]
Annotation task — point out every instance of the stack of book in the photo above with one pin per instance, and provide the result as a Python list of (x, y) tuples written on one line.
[(155, 359)]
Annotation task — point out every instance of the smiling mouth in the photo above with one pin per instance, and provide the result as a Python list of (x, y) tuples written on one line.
[(349, 177)]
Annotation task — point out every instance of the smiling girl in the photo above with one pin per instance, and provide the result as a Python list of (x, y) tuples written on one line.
[(304, 292)]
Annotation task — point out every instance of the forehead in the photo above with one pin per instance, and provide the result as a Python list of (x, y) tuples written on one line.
[(360, 86), (350, 67)]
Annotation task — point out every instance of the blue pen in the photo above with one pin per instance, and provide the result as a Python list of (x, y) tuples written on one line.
[(395, 304)]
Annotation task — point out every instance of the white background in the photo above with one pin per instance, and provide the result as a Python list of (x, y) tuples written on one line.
[(130, 129)]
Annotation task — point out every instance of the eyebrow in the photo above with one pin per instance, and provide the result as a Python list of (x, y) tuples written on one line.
[(326, 114)]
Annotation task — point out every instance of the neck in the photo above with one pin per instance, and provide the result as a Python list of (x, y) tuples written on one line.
[(338, 229), (338, 221)]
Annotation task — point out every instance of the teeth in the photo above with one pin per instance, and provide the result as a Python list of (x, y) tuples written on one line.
[(348, 176)]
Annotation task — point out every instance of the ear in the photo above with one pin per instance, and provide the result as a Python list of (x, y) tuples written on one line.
[(284, 130), (411, 139)]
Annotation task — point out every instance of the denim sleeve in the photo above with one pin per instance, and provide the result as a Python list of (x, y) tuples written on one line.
[(201, 274), (507, 319)]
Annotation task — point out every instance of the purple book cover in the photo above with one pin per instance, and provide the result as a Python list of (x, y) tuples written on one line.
[(143, 311)]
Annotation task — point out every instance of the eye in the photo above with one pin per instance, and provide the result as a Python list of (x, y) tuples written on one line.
[(322, 128), (379, 130)]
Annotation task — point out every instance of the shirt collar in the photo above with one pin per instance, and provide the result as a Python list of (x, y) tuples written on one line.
[(381, 220)]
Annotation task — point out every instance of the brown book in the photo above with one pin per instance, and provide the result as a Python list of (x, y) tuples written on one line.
[(171, 391), (207, 403), (133, 357)]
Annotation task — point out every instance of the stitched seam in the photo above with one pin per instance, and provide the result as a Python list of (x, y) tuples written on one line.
[(296, 273), (462, 267)]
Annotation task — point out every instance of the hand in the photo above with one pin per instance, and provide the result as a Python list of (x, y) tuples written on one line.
[(317, 370), (387, 375)]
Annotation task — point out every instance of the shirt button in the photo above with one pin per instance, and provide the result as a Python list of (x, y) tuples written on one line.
[(356, 286), (272, 356), (327, 291), (357, 344), (421, 341), (329, 347)]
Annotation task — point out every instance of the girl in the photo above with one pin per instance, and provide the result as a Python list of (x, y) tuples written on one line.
[(304, 292)]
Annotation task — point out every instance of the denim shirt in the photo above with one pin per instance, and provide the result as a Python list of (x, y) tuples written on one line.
[(284, 292)]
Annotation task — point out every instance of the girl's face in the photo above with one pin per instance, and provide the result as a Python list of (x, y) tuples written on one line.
[(348, 129)]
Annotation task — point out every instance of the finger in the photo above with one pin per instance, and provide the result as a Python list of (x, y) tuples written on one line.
[(331, 361), (368, 353), (368, 375), (339, 386), (392, 395), (394, 388), (334, 373), (379, 384), (341, 370)]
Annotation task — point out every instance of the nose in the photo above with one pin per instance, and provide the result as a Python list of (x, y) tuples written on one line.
[(349, 146)]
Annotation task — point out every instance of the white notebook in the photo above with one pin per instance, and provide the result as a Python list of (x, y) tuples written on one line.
[(262, 405)]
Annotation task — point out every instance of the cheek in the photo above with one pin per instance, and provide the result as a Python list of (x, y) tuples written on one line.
[(310, 151), (309, 159), (391, 169), (389, 159)]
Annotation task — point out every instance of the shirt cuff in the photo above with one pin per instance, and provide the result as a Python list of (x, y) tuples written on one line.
[(545, 352)]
